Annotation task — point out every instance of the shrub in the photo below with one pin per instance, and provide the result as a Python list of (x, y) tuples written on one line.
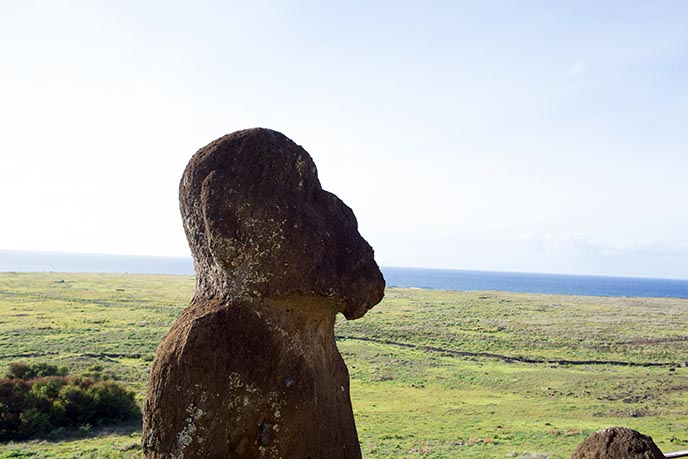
[(47, 387), (38, 399), (34, 422), (18, 370), (23, 370), (113, 402), (78, 404)]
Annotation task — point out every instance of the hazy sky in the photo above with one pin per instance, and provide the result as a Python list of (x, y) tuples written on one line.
[(545, 136)]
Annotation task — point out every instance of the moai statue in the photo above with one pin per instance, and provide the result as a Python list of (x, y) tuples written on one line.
[(250, 369), (617, 443)]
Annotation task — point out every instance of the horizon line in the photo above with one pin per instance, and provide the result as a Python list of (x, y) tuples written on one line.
[(189, 258)]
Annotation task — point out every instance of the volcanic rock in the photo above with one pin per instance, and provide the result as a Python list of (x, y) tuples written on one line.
[(250, 369), (617, 443)]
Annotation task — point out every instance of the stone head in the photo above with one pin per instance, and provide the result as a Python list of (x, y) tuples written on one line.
[(260, 225)]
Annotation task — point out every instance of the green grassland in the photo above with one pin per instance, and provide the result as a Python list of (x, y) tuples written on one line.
[(433, 374)]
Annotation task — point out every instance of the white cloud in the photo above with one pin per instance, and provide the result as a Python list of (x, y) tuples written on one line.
[(578, 74), (585, 244), (568, 241), (668, 249), (526, 236), (577, 70)]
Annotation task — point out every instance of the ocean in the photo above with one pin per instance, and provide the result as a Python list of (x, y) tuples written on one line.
[(439, 279), (567, 284)]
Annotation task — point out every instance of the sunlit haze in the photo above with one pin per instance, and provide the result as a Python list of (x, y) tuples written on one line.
[(533, 136)]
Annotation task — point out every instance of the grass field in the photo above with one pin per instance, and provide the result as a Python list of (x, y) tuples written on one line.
[(433, 374)]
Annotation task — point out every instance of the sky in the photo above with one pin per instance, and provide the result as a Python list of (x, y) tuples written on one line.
[(536, 136)]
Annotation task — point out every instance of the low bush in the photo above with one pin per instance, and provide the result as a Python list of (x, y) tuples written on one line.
[(25, 371), (38, 399)]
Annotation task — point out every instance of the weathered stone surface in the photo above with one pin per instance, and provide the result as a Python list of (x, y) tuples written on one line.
[(617, 443), (251, 369)]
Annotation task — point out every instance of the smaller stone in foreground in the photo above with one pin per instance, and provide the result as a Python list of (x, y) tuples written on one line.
[(617, 443)]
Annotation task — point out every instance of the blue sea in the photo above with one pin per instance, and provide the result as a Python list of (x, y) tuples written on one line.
[(440, 279), (445, 279)]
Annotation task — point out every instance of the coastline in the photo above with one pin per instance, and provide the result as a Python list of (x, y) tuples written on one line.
[(405, 277)]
